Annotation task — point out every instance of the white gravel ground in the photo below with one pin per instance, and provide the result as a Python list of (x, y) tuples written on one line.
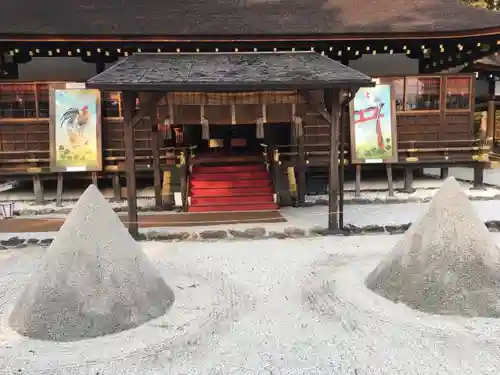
[(491, 176), (371, 191), (262, 307)]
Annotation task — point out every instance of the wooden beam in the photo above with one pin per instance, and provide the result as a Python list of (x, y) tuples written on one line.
[(146, 107), (129, 98), (333, 223), (317, 105)]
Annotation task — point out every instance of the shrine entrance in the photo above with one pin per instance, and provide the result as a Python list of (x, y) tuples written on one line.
[(239, 139), (250, 91)]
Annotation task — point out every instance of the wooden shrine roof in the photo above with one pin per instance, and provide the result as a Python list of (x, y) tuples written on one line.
[(227, 72), (184, 18)]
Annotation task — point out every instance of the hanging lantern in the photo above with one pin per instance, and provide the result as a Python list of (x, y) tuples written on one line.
[(164, 128)]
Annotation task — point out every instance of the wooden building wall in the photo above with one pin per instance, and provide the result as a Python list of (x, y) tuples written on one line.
[(432, 112)]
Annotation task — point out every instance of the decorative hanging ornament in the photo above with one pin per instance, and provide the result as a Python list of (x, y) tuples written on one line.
[(164, 128)]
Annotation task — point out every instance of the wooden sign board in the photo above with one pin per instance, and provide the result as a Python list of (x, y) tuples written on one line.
[(373, 126), (75, 128)]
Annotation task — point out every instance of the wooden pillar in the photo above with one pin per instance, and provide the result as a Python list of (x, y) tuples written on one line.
[(38, 189), (344, 120), (333, 180), (390, 181), (478, 176), (155, 146), (59, 189), (100, 66), (408, 182), (129, 98), (357, 184), (272, 157), (117, 189), (184, 173), (94, 178), (445, 172), (490, 123), (301, 165)]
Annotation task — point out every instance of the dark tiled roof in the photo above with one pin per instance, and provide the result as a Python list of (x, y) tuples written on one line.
[(227, 71), (489, 60), (239, 17)]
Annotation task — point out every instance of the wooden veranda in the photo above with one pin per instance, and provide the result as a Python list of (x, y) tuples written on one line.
[(152, 76)]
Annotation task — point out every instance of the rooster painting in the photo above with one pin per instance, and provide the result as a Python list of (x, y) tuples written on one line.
[(76, 128), (75, 120)]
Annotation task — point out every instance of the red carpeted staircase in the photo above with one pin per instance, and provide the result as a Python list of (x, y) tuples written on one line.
[(235, 187)]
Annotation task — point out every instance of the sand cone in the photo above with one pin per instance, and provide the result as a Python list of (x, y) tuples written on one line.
[(95, 280), (446, 263)]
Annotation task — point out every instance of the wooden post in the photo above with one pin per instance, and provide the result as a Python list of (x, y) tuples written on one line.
[(357, 186), (490, 123), (273, 160), (333, 223), (129, 98), (155, 145), (276, 171), (100, 66), (38, 189), (408, 183), (94, 178), (183, 166), (343, 124), (301, 165), (444, 173), (117, 189), (478, 181), (390, 181), (59, 189)]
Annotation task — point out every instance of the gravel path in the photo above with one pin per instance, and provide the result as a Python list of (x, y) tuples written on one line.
[(262, 307), (380, 214)]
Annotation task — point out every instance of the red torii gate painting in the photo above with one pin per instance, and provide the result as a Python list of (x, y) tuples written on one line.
[(368, 114), (372, 113), (373, 125)]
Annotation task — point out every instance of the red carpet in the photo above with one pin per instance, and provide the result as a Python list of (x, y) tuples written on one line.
[(238, 187)]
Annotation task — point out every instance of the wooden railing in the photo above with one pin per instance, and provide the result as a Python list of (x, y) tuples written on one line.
[(38, 161), (409, 152)]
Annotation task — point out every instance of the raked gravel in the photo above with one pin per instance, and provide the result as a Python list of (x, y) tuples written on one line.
[(262, 307)]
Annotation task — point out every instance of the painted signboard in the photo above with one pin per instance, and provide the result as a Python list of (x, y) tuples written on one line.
[(75, 136), (373, 126)]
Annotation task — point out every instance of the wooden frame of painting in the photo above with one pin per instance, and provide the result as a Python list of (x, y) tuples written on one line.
[(75, 128), (373, 155)]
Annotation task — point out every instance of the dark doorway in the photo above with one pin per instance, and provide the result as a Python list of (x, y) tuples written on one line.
[(238, 139), (229, 139)]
